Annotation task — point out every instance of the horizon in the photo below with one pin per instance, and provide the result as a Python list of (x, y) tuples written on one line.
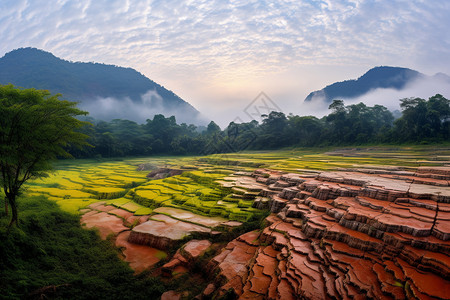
[(220, 56)]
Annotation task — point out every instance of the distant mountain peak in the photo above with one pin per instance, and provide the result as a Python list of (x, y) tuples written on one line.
[(90, 83), (29, 54), (20, 51), (442, 76), (377, 77)]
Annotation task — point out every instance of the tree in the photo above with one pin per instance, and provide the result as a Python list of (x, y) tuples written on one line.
[(163, 130), (337, 121), (438, 116), (413, 120), (273, 130), (304, 131), (35, 128), (212, 128)]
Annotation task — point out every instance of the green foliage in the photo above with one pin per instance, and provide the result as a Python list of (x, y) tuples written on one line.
[(35, 128), (357, 124), (51, 249), (212, 128), (423, 121), (159, 135)]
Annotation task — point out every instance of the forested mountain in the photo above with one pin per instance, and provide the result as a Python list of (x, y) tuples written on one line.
[(378, 77), (90, 82)]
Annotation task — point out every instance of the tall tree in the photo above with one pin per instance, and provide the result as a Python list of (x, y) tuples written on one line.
[(273, 129), (212, 128), (337, 121), (438, 116), (304, 131), (35, 128)]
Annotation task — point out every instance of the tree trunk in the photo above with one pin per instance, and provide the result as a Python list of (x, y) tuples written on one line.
[(13, 204), (6, 206)]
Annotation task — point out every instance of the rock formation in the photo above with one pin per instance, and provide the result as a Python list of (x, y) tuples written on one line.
[(186, 256), (163, 173), (380, 233), (164, 232), (170, 226), (109, 220), (353, 234)]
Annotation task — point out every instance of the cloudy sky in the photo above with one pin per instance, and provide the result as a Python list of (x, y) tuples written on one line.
[(219, 55)]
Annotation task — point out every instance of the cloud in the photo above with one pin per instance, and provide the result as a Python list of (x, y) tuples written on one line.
[(214, 35), (186, 44), (421, 88), (151, 104)]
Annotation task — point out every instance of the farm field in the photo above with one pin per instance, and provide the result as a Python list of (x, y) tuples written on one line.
[(273, 213), (77, 183)]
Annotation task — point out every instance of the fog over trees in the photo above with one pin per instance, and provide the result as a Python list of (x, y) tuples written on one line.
[(421, 121)]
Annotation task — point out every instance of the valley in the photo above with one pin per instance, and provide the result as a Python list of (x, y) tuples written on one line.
[(221, 150), (315, 224)]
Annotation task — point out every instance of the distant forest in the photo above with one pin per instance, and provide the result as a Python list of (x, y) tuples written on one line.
[(421, 122)]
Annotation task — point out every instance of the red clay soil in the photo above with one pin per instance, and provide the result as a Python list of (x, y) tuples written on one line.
[(139, 257), (377, 233), (185, 257), (110, 220), (383, 235), (171, 295), (105, 223), (164, 232), (121, 213), (190, 217), (196, 248)]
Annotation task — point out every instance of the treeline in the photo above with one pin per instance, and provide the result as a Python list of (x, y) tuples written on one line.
[(422, 121)]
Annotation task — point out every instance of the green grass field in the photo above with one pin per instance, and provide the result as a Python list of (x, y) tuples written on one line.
[(77, 183)]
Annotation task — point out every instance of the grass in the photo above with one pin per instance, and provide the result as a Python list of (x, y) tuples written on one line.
[(196, 191), (73, 206), (73, 186), (50, 251), (76, 184), (107, 192), (143, 211), (58, 192), (131, 206)]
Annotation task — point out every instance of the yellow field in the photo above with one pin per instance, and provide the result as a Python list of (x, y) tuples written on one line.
[(76, 184)]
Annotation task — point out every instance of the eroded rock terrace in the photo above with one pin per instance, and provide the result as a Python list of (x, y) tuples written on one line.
[(348, 234)]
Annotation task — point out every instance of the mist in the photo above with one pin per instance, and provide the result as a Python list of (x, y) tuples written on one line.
[(421, 88), (390, 98), (149, 105), (242, 109)]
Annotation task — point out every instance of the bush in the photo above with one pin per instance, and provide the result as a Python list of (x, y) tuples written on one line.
[(50, 254)]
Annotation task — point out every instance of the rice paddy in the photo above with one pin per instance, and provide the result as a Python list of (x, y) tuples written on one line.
[(76, 184)]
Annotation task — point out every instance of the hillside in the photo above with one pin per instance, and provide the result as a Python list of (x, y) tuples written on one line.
[(378, 77), (354, 223), (90, 82)]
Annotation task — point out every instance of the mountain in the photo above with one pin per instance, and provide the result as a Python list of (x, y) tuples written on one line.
[(378, 77), (106, 91)]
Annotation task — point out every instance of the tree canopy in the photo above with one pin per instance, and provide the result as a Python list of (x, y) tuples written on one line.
[(35, 128), (421, 121), (424, 119)]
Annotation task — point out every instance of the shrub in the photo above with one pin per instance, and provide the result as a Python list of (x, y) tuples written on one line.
[(51, 256)]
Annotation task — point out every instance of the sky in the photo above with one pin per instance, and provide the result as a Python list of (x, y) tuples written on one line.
[(221, 55)]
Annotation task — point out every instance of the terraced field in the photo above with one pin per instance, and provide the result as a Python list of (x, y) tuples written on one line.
[(207, 186), (120, 184), (74, 186), (331, 213)]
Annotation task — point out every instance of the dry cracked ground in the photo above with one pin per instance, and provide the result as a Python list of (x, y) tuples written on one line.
[(355, 233)]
